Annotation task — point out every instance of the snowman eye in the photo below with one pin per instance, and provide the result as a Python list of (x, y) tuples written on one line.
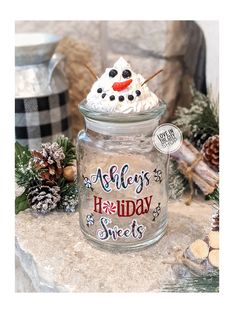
[(126, 74), (113, 73)]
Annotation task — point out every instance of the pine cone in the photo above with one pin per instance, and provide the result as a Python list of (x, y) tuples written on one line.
[(49, 161), (69, 203), (215, 220), (43, 198), (199, 138), (210, 152)]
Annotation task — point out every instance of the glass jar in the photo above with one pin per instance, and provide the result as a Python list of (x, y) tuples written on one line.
[(122, 179)]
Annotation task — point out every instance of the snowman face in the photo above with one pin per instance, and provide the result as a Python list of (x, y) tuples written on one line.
[(120, 89), (116, 83)]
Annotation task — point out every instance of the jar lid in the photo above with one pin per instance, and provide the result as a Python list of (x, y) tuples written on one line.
[(117, 117), (122, 123)]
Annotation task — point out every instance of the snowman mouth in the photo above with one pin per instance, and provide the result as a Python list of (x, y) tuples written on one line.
[(119, 86)]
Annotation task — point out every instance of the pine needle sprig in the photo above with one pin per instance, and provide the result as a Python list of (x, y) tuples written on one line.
[(67, 188), (24, 173), (178, 183), (68, 149), (201, 116), (215, 196), (207, 121), (69, 196), (208, 283)]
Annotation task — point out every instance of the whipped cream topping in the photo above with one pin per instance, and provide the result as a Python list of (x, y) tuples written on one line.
[(119, 90)]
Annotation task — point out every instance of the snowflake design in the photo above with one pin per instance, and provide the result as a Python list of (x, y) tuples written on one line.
[(156, 211), (87, 183), (157, 175), (89, 220), (109, 207)]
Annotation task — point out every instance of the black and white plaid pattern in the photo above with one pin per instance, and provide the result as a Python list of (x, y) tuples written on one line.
[(42, 119)]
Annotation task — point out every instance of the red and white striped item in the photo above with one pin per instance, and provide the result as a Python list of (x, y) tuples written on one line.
[(109, 207)]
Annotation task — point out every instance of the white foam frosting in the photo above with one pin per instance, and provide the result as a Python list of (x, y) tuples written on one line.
[(145, 101)]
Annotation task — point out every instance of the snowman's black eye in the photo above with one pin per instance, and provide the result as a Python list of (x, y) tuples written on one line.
[(113, 73), (126, 74)]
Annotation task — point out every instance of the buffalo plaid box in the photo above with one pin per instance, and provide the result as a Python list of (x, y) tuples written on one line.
[(42, 119)]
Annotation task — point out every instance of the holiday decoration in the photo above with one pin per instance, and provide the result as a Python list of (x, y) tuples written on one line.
[(123, 183), (69, 173), (215, 218), (200, 120), (87, 183), (190, 163), (158, 175), (202, 256), (214, 258), (195, 167), (188, 156), (89, 220), (201, 283), (109, 207), (210, 152), (177, 181), (198, 250), (213, 238), (156, 211), (43, 198), (48, 161), (199, 154), (48, 176)]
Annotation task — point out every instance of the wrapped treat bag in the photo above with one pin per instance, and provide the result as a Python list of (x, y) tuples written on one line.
[(122, 176)]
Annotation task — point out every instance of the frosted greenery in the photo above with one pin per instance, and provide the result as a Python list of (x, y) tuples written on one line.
[(200, 117)]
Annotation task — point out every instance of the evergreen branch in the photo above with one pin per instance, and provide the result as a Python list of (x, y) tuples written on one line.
[(21, 203), (69, 196), (200, 117), (215, 196), (22, 154), (68, 149), (208, 283), (24, 173), (178, 183), (207, 120), (67, 188)]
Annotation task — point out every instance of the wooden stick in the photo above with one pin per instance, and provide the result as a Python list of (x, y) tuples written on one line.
[(201, 183), (198, 250), (151, 77), (214, 258), (213, 238), (91, 71), (188, 153)]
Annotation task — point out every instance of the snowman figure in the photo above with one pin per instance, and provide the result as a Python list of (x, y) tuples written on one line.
[(120, 89)]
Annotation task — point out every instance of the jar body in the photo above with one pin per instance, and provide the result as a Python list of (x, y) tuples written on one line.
[(122, 188)]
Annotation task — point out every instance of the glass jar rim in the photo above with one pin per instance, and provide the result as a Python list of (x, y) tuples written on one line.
[(120, 117)]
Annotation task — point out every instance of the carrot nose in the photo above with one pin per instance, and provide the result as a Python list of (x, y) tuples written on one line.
[(119, 86)]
